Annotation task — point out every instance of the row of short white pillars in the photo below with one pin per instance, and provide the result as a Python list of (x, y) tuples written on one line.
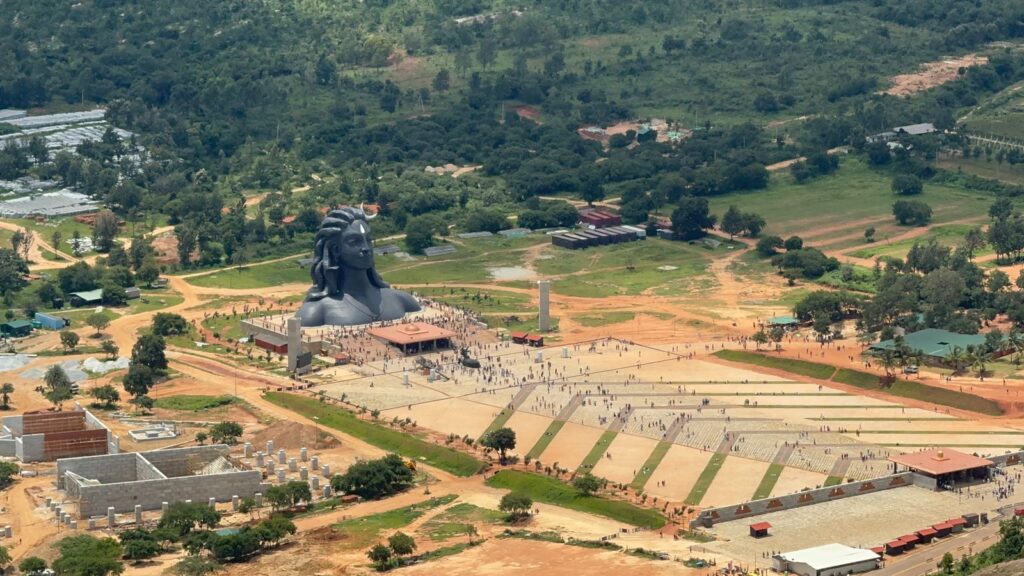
[(270, 446), (314, 463), (247, 449), (327, 471), (315, 482), (282, 456), (303, 454), (280, 475), (303, 473)]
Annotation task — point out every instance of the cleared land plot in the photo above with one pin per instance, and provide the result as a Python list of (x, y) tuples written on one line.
[(991, 169), (528, 428), (650, 465), (794, 480), (380, 436), (628, 454), (571, 445), (546, 438), (679, 471), (451, 416), (736, 482), (845, 201), (597, 452)]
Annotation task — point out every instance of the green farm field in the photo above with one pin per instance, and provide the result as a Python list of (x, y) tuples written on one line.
[(846, 202)]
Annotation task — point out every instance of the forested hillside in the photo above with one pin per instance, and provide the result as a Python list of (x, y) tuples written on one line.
[(231, 96)]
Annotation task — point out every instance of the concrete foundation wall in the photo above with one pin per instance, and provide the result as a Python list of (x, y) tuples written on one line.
[(144, 470), (31, 447), (94, 500), (712, 516), (185, 461), (14, 424), (7, 447), (108, 468)]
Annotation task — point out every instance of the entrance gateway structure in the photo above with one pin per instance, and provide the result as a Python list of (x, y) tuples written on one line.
[(944, 468)]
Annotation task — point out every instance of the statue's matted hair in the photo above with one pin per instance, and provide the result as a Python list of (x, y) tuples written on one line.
[(334, 224)]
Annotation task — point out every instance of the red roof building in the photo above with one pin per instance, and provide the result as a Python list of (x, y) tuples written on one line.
[(759, 529), (414, 337)]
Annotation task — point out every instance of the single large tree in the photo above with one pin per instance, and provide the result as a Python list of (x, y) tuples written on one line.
[(98, 322), (517, 505), (58, 385), (87, 555), (13, 270), (149, 351), (5, 395), (691, 219), (732, 221), (502, 440), (104, 230)]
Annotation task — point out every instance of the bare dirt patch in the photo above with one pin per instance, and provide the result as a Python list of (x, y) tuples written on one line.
[(292, 436), (932, 74)]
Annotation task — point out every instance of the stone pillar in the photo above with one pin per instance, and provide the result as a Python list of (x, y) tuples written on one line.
[(293, 465), (64, 518), (314, 463), (57, 512), (303, 473), (405, 378), (294, 343), (259, 459), (138, 513), (111, 517), (92, 523), (49, 502), (327, 471), (234, 502), (565, 352), (212, 502), (248, 449), (257, 498), (327, 491), (303, 454), (8, 531), (270, 466), (280, 474), (164, 506), (188, 501), (282, 457), (270, 446), (544, 313), (314, 483), (74, 524)]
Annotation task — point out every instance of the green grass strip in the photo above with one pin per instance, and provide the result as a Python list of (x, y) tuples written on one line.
[(705, 479), (833, 481), (771, 476), (499, 421), (650, 465), (362, 532), (801, 367), (545, 439), (597, 452), (553, 491), (380, 436), (920, 391)]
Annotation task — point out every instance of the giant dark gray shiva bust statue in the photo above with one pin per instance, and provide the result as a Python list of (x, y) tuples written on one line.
[(347, 290)]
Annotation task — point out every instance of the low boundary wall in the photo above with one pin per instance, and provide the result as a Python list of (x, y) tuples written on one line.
[(712, 516)]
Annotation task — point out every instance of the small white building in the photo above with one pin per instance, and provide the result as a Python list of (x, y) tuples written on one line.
[(827, 560)]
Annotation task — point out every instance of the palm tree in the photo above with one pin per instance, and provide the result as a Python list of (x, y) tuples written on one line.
[(1016, 341), (957, 357), (979, 358), (888, 362), (5, 395)]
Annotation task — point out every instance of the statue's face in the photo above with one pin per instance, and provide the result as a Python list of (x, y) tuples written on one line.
[(355, 247)]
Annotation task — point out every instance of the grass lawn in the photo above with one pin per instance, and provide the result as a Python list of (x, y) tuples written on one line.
[(378, 435), (150, 301), (191, 403), (479, 301), (700, 487), (993, 170), (595, 454), (255, 276), (802, 367), (363, 532), (650, 465), (457, 519), (833, 481), (771, 476), (545, 439), (853, 193), (554, 491), (950, 235), (920, 391), (605, 319)]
